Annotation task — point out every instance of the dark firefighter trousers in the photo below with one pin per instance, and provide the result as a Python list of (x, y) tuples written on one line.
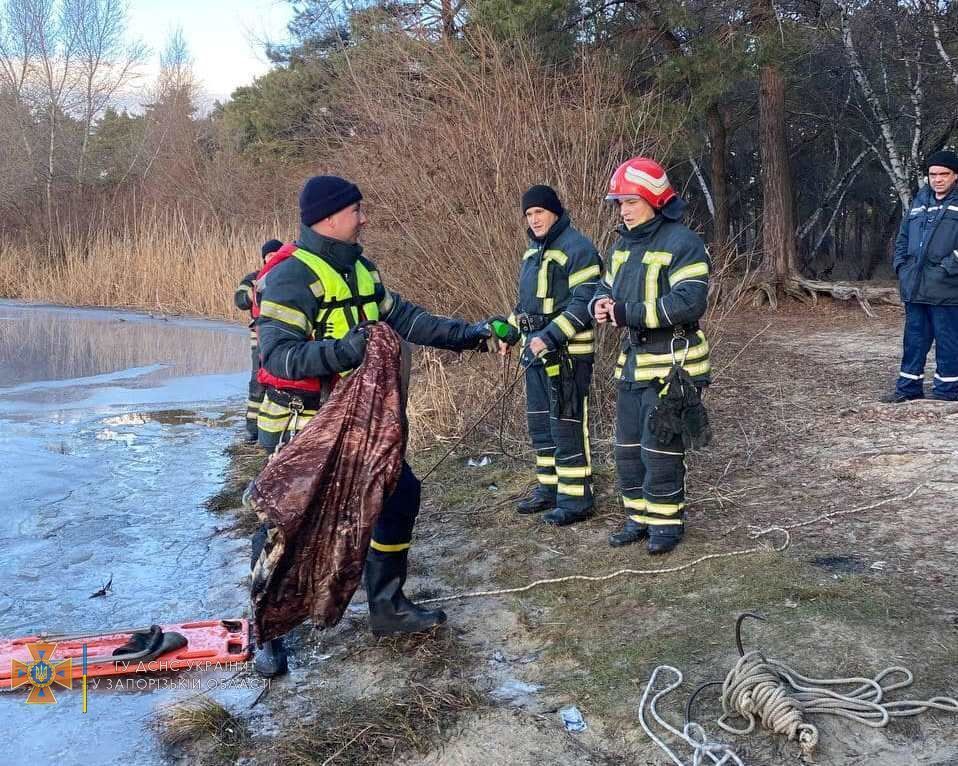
[(557, 409), (651, 476), (924, 325), (256, 389)]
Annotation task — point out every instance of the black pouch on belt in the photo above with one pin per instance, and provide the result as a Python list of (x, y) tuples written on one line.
[(565, 389), (680, 412)]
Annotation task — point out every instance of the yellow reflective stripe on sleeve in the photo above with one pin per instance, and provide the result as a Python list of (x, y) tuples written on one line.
[(548, 305), (386, 548), (573, 472), (637, 519), (386, 304), (563, 323), (618, 373), (700, 269), (573, 490), (377, 280), (547, 478), (316, 288), (584, 275), (582, 336), (545, 460), (650, 373), (581, 348), (621, 360), (285, 314), (552, 371), (634, 504), (245, 289), (513, 321)]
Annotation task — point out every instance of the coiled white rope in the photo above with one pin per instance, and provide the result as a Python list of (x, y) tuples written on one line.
[(692, 735)]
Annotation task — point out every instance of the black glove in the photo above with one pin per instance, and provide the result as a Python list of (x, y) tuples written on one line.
[(476, 336), (351, 348)]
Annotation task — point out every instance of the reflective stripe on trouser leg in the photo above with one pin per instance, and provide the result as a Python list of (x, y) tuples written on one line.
[(944, 322), (276, 422), (570, 434), (916, 342), (540, 432), (393, 530), (664, 486), (628, 450)]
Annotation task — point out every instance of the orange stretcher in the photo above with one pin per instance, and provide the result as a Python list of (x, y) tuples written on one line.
[(208, 644)]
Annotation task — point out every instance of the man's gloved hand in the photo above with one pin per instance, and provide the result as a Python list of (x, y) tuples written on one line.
[(351, 348), (535, 349), (476, 337)]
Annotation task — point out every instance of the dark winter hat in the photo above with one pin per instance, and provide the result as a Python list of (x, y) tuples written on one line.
[(944, 159), (324, 195), (542, 196), (269, 247)]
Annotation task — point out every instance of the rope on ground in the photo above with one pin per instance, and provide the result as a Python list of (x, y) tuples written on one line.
[(692, 735), (621, 572), (756, 532), (770, 691)]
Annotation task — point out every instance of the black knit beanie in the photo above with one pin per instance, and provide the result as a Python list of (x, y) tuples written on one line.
[(324, 195), (943, 158), (542, 196), (269, 247)]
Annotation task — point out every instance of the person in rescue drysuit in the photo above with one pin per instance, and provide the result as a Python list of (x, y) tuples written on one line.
[(313, 298), (655, 289), (926, 262), (243, 298), (557, 278)]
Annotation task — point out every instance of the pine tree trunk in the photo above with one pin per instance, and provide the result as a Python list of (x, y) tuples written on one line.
[(719, 172), (778, 225)]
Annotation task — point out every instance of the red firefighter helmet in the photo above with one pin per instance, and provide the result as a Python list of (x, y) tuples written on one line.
[(641, 177)]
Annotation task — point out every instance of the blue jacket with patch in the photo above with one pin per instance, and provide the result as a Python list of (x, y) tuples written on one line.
[(926, 251)]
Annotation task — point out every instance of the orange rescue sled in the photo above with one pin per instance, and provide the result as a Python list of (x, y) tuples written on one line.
[(209, 643)]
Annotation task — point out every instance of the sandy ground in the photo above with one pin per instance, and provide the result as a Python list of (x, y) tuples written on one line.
[(798, 434)]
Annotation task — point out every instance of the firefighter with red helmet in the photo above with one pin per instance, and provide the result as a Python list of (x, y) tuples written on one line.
[(655, 290)]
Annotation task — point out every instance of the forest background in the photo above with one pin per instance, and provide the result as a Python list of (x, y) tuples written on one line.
[(796, 131)]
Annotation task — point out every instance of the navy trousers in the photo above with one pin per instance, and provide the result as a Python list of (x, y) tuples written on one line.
[(926, 324)]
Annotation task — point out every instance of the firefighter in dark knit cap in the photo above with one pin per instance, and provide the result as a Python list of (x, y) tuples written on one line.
[(243, 298), (655, 289), (315, 295), (557, 279), (926, 262)]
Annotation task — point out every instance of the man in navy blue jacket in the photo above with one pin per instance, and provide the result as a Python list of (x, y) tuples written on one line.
[(926, 262)]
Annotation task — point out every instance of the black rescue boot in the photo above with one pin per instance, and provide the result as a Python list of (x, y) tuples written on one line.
[(632, 532), (536, 504), (562, 517), (895, 398), (270, 659), (663, 539), (389, 609)]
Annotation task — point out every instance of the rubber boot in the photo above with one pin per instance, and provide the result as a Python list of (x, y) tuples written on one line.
[(632, 532), (389, 609), (270, 659), (539, 502), (563, 517), (664, 539)]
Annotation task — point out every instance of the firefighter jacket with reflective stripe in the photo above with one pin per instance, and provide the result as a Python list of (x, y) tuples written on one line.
[(926, 251), (557, 279), (309, 301), (660, 270)]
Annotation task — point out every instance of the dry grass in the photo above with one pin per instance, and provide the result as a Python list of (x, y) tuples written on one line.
[(204, 720), (370, 732)]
